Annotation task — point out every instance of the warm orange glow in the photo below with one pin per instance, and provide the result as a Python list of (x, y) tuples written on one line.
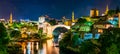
[(94, 12), (11, 18), (119, 20), (37, 46), (23, 47), (100, 30)]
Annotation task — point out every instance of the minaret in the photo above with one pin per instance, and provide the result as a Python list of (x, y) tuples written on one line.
[(10, 18), (107, 9), (73, 17)]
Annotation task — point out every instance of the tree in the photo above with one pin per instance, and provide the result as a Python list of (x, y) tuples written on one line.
[(111, 12), (3, 39), (81, 21), (110, 41), (82, 25), (66, 41), (41, 34), (3, 35), (52, 22), (15, 33), (112, 49), (90, 47)]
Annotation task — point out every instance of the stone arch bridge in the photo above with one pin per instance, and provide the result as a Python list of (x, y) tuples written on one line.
[(49, 29)]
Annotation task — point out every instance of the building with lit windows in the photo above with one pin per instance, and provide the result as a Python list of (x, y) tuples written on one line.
[(100, 26), (70, 22)]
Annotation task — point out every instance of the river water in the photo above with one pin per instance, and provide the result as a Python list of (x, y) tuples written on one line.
[(46, 47)]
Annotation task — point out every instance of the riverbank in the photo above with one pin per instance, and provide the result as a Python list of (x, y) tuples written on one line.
[(30, 39)]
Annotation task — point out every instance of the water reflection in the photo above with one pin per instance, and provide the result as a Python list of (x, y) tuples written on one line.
[(32, 48), (38, 47)]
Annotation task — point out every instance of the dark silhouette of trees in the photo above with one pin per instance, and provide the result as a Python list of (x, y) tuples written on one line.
[(53, 22), (3, 39), (15, 33)]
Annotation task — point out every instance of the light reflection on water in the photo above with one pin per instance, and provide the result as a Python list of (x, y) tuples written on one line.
[(32, 48), (38, 48)]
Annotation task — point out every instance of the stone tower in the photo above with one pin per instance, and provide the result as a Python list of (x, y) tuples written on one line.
[(94, 12), (11, 18)]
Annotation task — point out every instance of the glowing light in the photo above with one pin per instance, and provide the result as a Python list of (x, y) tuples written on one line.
[(29, 48), (88, 36), (37, 46), (100, 30), (97, 36), (84, 28), (89, 23)]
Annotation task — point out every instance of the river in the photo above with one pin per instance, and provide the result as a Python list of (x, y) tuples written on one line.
[(46, 47)]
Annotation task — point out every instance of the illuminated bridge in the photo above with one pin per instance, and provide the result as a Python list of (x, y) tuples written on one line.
[(48, 29)]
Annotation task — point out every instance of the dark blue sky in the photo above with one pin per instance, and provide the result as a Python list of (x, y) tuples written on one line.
[(32, 9)]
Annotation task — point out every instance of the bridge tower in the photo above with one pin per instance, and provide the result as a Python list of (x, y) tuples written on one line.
[(41, 20)]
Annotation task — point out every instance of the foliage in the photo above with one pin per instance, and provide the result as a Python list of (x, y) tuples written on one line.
[(3, 35), (90, 47), (73, 43), (112, 49), (41, 34), (3, 39), (16, 25), (111, 12), (108, 43), (52, 22), (15, 33), (66, 41), (109, 39), (81, 21)]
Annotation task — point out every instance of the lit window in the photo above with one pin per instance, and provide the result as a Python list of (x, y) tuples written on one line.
[(100, 30)]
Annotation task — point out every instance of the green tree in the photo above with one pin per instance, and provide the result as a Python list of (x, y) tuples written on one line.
[(65, 42), (53, 22), (90, 47), (81, 21), (3, 35), (16, 25), (112, 49), (15, 34), (3, 39), (41, 34), (109, 39), (111, 12)]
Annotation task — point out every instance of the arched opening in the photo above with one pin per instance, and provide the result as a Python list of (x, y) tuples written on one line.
[(57, 33)]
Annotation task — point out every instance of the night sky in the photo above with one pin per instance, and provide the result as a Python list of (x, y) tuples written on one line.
[(32, 9)]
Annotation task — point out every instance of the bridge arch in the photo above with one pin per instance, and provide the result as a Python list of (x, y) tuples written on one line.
[(49, 29), (56, 26)]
